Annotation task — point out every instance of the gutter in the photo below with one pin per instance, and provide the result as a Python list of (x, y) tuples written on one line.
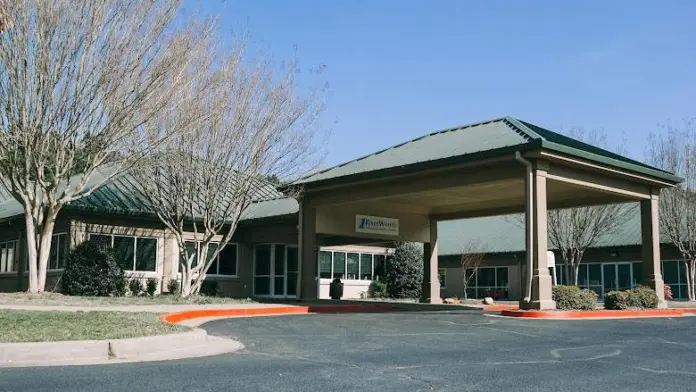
[(529, 222)]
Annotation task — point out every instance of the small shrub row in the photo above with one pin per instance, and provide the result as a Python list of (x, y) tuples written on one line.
[(574, 298), (641, 297), (377, 290), (136, 287)]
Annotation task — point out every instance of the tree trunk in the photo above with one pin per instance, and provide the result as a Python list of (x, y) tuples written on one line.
[(32, 265), (186, 280), (576, 272), (39, 228), (690, 283), (689, 280), (464, 283)]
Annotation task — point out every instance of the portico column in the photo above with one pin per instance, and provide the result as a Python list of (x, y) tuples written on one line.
[(650, 232), (541, 297), (431, 282), (307, 284)]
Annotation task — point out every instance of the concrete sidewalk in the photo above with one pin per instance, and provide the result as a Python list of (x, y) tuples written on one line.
[(192, 344)]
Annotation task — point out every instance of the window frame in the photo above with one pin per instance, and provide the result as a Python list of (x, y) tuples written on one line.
[(135, 250), (65, 255), (474, 284), (15, 258), (442, 272), (359, 276), (217, 273)]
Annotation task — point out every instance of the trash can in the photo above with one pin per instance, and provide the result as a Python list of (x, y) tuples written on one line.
[(336, 289)]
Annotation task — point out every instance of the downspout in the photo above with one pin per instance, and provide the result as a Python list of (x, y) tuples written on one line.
[(529, 220)]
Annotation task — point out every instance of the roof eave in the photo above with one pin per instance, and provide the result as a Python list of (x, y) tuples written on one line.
[(426, 165), (654, 173)]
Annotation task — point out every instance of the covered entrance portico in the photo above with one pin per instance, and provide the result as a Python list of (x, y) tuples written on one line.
[(497, 167)]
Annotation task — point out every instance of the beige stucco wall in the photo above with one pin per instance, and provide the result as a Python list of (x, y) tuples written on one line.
[(341, 221)]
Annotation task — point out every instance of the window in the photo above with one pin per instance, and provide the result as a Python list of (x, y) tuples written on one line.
[(442, 277), (358, 266), (227, 260), (365, 266), (57, 255), (380, 268), (8, 256), (339, 265), (132, 253), (352, 263), (674, 275), (488, 282), (224, 264), (325, 265), (590, 277)]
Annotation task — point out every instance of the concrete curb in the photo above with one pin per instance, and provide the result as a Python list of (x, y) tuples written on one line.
[(596, 314), (191, 344), (209, 314)]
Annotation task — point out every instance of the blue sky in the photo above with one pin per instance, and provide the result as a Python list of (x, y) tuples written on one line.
[(400, 69)]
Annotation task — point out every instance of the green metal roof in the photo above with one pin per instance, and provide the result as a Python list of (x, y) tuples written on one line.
[(124, 196), (271, 208), (502, 234), (471, 142)]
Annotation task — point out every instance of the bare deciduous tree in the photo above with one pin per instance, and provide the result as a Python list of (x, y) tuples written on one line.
[(77, 81), (252, 124), (572, 231), (471, 259), (675, 151)]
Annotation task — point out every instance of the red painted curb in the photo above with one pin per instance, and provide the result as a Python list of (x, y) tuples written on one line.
[(178, 317), (590, 314)]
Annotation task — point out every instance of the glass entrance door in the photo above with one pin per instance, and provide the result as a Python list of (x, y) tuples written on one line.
[(275, 270)]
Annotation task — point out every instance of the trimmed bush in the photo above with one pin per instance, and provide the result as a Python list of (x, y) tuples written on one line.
[(135, 287), (377, 290), (173, 286), (92, 270), (617, 300), (209, 288), (405, 271), (643, 297), (151, 287), (574, 298)]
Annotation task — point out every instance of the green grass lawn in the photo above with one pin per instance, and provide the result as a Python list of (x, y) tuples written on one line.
[(57, 299), (36, 326)]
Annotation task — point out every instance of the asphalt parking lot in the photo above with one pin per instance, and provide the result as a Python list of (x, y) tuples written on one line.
[(442, 351)]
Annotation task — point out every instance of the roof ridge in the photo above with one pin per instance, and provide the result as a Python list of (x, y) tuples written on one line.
[(523, 129), (451, 129)]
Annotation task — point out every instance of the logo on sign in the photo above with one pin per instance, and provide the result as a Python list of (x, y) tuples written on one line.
[(376, 225)]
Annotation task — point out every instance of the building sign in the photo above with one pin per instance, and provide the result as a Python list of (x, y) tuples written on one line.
[(376, 225)]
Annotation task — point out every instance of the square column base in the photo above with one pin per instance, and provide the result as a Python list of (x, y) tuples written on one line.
[(436, 300), (538, 305)]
